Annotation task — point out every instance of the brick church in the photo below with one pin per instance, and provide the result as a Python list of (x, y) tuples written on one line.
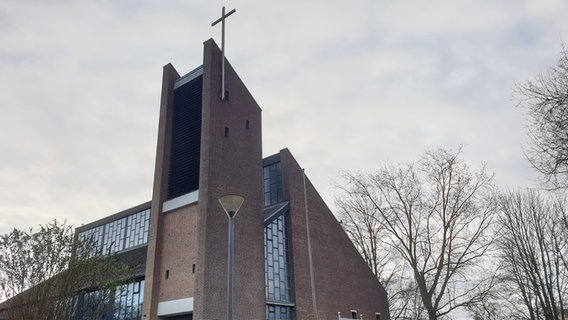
[(289, 257)]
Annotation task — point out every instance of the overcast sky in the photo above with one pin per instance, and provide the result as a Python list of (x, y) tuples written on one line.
[(346, 85)]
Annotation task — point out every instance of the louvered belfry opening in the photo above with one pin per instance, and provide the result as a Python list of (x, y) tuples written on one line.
[(186, 138)]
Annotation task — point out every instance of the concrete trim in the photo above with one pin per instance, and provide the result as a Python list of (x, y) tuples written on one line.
[(180, 201), (175, 307), (188, 77)]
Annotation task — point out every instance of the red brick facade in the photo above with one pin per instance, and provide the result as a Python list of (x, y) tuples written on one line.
[(231, 163)]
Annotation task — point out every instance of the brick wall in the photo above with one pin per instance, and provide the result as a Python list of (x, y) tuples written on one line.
[(231, 163)]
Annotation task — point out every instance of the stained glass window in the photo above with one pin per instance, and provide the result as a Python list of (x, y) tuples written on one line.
[(118, 235), (278, 291)]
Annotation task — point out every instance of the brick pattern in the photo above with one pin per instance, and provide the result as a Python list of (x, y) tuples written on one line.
[(231, 162), (179, 253)]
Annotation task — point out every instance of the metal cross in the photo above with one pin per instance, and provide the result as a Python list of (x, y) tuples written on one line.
[(222, 20)]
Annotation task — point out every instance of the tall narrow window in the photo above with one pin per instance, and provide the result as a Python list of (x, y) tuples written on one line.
[(272, 184), (278, 290)]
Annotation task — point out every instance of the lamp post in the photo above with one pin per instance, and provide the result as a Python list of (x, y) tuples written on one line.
[(231, 204)]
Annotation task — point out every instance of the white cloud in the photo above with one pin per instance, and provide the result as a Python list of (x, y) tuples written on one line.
[(344, 85)]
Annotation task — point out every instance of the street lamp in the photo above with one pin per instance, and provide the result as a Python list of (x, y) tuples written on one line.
[(231, 204)]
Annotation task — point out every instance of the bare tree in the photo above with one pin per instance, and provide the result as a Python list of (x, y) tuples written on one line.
[(435, 216), (546, 100), (28, 258), (534, 245), (361, 221), (48, 275)]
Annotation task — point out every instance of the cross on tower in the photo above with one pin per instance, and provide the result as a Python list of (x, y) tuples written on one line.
[(222, 20)]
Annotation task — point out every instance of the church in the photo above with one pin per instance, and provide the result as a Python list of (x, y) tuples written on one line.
[(228, 233)]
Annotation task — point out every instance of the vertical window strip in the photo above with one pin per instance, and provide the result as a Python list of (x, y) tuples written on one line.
[(276, 262), (272, 175), (277, 272)]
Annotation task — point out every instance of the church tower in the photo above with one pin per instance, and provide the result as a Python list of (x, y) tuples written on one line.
[(207, 147)]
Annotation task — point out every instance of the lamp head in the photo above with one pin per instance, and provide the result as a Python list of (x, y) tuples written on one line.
[(231, 204)]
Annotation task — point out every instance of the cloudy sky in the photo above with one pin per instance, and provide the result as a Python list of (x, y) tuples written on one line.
[(346, 85)]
